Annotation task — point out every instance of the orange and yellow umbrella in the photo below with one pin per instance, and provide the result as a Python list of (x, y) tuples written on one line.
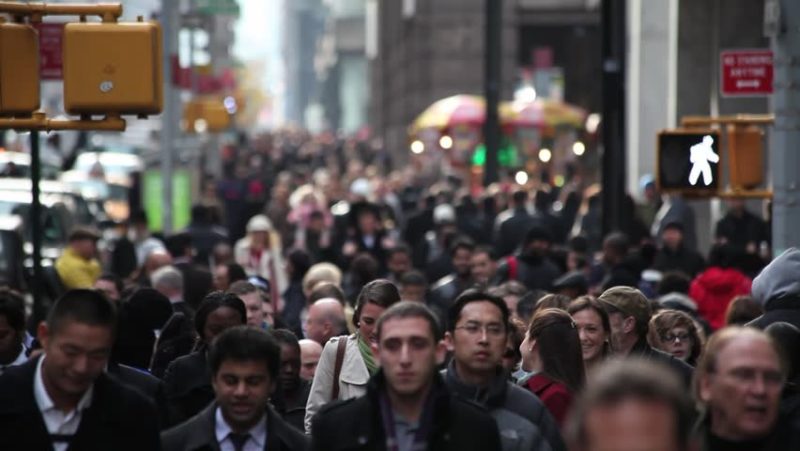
[(542, 113)]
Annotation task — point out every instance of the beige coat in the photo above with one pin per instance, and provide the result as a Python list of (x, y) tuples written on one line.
[(353, 376)]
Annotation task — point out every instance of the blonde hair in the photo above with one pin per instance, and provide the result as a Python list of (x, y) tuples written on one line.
[(321, 272)]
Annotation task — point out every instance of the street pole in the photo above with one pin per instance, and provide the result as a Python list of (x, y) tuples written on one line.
[(492, 59), (39, 309), (782, 21), (169, 116), (613, 160)]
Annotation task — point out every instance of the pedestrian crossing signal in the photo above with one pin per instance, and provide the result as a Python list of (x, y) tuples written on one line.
[(112, 68), (689, 162), (19, 69)]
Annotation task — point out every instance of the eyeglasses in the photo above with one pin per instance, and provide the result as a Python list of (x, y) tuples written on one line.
[(671, 338), (493, 330)]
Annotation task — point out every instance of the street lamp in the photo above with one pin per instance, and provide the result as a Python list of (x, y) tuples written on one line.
[(545, 155), (446, 142)]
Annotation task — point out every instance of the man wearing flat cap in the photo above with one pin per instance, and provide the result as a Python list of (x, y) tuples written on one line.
[(77, 267), (629, 314)]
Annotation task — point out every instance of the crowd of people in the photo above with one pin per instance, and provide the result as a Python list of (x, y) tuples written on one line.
[(317, 301)]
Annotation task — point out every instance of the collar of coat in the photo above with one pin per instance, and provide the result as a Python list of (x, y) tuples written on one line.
[(441, 402), (205, 421), (491, 396)]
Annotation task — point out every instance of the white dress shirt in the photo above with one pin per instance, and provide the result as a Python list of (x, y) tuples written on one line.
[(57, 421), (256, 441)]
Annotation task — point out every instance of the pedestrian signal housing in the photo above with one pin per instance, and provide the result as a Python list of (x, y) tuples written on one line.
[(19, 69), (113, 68), (205, 116), (746, 154), (689, 161)]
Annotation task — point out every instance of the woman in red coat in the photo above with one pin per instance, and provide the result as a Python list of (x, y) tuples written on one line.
[(552, 350), (713, 289)]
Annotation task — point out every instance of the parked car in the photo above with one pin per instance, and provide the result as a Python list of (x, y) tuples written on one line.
[(18, 165), (72, 199), (56, 221)]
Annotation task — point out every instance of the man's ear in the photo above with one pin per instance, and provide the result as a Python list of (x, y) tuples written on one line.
[(704, 388), (441, 352), (374, 347), (448, 342), (43, 333), (628, 324)]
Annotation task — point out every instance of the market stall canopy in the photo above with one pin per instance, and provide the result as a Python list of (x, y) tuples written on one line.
[(545, 113), (458, 110), (470, 110)]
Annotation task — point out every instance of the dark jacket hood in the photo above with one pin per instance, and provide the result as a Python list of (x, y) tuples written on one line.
[(779, 279)]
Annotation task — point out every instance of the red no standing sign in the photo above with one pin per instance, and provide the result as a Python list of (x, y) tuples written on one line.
[(51, 37), (746, 72)]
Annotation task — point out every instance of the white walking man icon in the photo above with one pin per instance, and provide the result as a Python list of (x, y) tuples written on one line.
[(701, 155)]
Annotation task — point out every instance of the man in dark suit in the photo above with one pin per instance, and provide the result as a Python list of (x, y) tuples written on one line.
[(188, 380), (291, 397), (245, 363), (511, 225), (197, 280), (64, 400), (143, 382), (407, 405)]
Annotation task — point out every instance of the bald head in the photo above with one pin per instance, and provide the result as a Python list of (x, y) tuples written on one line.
[(325, 320), (156, 259), (310, 351)]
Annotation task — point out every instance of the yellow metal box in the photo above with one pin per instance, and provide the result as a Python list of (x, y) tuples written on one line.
[(113, 68), (19, 69), (205, 116)]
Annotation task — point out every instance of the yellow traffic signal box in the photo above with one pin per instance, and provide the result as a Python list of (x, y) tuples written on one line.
[(746, 153), (113, 68), (19, 69), (205, 115)]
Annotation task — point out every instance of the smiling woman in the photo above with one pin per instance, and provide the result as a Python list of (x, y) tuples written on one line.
[(594, 330)]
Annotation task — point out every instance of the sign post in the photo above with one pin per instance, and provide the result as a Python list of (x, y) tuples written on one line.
[(746, 73)]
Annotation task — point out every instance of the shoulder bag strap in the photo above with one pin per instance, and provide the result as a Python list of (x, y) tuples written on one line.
[(337, 368)]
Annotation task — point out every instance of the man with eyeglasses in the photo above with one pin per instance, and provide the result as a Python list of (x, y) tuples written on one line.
[(478, 329), (739, 382)]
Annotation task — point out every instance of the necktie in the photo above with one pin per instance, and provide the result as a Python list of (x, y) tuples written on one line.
[(238, 440)]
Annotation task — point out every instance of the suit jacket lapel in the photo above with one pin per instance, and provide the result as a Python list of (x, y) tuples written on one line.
[(22, 413), (204, 434), (97, 422)]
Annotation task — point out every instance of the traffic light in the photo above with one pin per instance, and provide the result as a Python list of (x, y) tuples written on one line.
[(689, 161), (113, 68), (205, 115), (19, 69), (746, 153)]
